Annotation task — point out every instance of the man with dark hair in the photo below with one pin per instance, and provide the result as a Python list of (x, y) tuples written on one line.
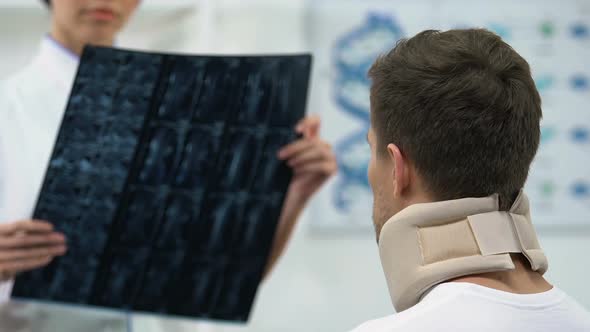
[(454, 128)]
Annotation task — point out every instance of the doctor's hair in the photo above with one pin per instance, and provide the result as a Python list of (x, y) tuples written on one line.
[(462, 106)]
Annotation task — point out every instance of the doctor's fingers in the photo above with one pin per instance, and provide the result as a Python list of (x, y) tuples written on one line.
[(32, 226), (23, 254), (25, 240), (309, 126), (316, 152), (295, 148), (325, 168), (10, 268)]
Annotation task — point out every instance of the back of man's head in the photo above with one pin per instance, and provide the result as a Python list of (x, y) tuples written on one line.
[(463, 108)]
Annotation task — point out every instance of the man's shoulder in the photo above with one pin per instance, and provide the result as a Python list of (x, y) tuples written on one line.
[(408, 320), (378, 325), (404, 321), (436, 309), (467, 307)]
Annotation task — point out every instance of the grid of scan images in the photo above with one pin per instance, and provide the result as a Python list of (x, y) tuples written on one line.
[(165, 180)]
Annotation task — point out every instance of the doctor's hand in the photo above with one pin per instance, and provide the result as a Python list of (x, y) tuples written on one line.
[(311, 159), (313, 163), (27, 245)]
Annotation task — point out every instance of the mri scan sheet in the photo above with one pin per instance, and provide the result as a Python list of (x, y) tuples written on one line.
[(166, 182)]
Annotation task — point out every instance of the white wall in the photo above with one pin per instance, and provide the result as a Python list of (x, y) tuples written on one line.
[(324, 282), (16, 51)]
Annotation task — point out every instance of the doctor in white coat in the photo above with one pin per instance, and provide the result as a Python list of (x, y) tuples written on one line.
[(32, 103)]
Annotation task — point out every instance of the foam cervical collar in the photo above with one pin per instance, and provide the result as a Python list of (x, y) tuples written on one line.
[(426, 244)]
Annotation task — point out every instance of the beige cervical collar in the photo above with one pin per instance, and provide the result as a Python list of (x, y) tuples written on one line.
[(426, 244)]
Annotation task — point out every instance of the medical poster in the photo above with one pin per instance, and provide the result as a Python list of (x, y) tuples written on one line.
[(553, 36)]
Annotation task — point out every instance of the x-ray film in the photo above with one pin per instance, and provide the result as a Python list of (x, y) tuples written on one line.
[(165, 180)]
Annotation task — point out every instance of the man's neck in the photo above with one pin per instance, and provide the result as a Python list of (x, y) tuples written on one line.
[(521, 280)]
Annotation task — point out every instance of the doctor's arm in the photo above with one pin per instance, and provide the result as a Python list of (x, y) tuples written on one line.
[(313, 163), (27, 245)]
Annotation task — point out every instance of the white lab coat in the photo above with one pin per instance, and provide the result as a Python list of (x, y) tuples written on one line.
[(32, 104)]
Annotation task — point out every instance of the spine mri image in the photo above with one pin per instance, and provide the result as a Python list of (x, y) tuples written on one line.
[(165, 181)]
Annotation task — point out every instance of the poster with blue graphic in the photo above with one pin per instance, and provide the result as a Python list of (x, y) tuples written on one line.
[(553, 36)]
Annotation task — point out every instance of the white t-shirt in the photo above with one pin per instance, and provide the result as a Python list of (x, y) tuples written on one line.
[(463, 307)]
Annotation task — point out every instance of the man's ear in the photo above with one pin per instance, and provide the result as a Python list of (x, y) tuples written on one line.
[(401, 175)]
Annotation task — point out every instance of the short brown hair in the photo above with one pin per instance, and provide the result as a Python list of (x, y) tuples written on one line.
[(463, 108)]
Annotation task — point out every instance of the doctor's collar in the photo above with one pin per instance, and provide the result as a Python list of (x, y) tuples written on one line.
[(65, 50), (62, 48)]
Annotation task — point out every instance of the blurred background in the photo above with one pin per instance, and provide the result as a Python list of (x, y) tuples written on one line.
[(330, 278)]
